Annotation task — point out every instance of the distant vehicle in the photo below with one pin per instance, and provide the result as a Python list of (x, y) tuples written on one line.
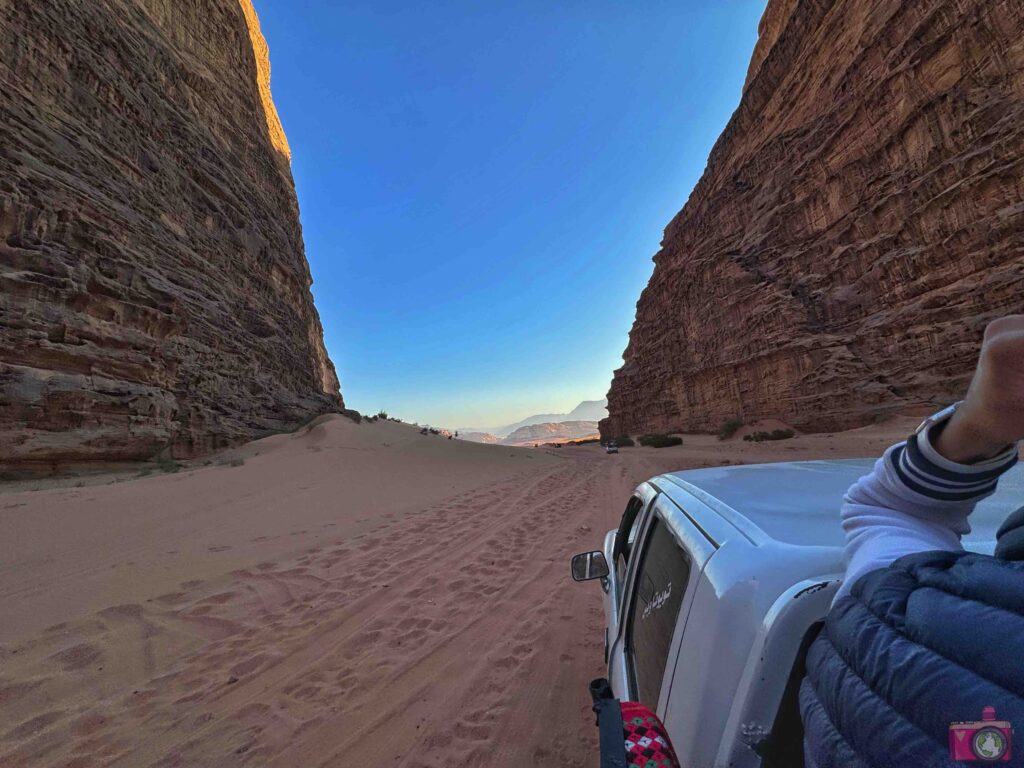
[(716, 582), (611, 447)]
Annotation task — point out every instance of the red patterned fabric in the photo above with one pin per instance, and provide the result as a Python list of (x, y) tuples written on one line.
[(647, 744)]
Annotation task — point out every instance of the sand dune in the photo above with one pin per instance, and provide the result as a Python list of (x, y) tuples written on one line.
[(68, 551), (352, 595)]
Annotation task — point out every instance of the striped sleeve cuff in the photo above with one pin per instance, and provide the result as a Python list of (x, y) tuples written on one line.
[(924, 470)]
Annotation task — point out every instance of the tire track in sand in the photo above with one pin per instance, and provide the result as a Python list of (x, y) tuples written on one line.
[(428, 641)]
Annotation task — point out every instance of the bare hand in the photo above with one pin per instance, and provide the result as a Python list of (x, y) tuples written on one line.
[(992, 415)]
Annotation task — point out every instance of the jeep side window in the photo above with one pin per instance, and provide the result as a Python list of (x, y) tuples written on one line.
[(627, 535), (631, 537), (660, 585)]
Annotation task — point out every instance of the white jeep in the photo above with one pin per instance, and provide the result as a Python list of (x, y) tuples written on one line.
[(716, 582)]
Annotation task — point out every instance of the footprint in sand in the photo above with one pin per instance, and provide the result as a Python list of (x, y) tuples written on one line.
[(77, 657), (220, 598), (34, 726), (471, 732), (170, 598), (249, 665)]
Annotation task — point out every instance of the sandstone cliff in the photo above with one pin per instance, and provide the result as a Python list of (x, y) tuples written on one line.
[(155, 293), (859, 221)]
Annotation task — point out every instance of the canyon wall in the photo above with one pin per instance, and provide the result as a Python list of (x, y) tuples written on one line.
[(860, 219), (154, 292)]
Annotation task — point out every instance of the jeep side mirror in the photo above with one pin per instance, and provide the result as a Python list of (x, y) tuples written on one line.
[(589, 565)]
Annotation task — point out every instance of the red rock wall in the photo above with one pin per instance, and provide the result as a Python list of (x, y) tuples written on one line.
[(154, 291), (860, 219)]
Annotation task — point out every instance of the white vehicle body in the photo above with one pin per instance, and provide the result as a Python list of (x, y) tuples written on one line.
[(715, 640)]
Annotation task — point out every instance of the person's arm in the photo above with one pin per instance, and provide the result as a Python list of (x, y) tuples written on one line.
[(915, 500), (921, 492)]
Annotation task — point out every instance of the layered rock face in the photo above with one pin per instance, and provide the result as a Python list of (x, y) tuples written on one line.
[(860, 220), (154, 292)]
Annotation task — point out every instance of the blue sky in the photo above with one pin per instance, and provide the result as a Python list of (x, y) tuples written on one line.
[(483, 185)]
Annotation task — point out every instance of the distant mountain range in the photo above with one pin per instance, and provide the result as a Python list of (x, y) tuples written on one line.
[(551, 431), (588, 410), (479, 437), (532, 434)]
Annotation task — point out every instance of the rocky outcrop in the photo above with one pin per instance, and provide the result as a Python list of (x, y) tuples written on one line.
[(860, 219), (155, 294)]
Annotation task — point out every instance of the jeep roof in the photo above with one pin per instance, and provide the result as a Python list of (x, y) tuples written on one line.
[(797, 502)]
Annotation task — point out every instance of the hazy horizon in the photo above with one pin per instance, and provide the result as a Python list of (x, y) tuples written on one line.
[(554, 412), (482, 188)]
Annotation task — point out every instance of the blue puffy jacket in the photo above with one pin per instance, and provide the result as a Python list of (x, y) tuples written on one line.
[(927, 643)]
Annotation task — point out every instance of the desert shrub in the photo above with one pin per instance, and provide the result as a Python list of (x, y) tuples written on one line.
[(775, 434), (306, 425), (624, 442), (383, 415), (168, 465), (660, 441), (349, 413), (729, 428), (435, 431), (423, 431), (303, 426)]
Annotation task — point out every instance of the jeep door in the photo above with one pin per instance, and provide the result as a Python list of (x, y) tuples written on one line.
[(618, 549), (662, 572)]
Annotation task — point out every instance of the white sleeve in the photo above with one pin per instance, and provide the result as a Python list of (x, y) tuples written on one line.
[(915, 500)]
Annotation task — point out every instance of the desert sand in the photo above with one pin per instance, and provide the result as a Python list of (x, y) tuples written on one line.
[(348, 595)]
